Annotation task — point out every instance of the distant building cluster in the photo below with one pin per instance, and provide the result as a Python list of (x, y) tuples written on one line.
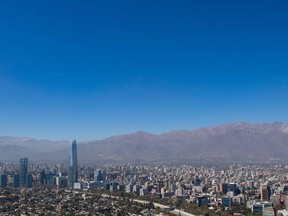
[(259, 188), (21, 178)]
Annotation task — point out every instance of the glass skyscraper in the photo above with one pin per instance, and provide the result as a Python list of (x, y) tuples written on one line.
[(73, 165), (16, 180), (3, 180), (23, 169), (29, 180)]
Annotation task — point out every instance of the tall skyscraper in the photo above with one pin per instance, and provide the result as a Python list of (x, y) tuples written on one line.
[(43, 179), (3, 180), (73, 165), (265, 192), (16, 180), (98, 175), (29, 180), (23, 169)]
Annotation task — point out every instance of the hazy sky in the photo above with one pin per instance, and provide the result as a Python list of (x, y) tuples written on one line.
[(90, 69)]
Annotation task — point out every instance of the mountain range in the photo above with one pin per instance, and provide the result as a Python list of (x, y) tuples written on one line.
[(235, 140)]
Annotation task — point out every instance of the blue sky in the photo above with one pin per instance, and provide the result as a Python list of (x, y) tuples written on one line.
[(90, 69)]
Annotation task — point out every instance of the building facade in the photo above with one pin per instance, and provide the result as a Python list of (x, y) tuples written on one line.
[(16, 181), (23, 169), (265, 192), (29, 180), (3, 180), (73, 165)]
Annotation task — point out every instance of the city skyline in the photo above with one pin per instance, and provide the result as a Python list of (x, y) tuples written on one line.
[(178, 107), (69, 69)]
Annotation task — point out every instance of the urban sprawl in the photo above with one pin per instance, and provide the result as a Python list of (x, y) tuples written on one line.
[(142, 189)]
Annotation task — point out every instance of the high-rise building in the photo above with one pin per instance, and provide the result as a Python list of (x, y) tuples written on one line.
[(73, 165), (197, 181), (265, 192), (61, 181), (50, 179), (232, 187), (16, 180), (43, 179), (3, 180), (29, 180), (98, 175), (223, 188), (23, 169)]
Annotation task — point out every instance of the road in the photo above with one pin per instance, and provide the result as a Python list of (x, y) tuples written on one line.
[(175, 211)]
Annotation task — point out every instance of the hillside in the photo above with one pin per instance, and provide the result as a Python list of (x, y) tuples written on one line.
[(236, 140)]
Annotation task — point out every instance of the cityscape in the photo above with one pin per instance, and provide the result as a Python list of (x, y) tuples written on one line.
[(143, 189), (144, 108)]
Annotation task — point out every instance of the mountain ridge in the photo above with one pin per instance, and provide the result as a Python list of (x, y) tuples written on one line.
[(230, 140)]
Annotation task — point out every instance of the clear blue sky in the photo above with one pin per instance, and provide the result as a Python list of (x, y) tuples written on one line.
[(90, 69)]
